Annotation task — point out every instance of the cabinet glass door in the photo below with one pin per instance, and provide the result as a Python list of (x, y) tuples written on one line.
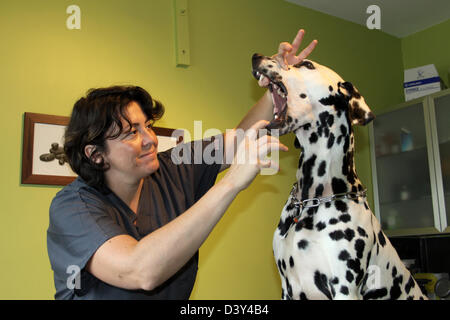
[(442, 112), (403, 171)]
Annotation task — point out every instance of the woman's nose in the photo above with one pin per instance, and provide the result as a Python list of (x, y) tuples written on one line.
[(148, 138)]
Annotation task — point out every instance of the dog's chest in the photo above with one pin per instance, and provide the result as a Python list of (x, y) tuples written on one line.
[(318, 235)]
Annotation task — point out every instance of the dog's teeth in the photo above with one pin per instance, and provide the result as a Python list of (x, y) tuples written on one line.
[(261, 77)]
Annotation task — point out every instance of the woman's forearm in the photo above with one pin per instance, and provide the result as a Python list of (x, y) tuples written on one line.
[(262, 110), (162, 253)]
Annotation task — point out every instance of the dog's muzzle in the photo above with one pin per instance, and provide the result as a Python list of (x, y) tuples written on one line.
[(278, 90)]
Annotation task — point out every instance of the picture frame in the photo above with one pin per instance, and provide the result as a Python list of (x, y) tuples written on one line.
[(43, 159)]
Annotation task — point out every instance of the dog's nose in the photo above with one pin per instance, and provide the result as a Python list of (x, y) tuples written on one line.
[(256, 60)]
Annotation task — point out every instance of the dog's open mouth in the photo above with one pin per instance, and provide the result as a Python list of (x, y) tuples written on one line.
[(279, 99)]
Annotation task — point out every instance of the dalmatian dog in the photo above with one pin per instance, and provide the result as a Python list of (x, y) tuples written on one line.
[(328, 244)]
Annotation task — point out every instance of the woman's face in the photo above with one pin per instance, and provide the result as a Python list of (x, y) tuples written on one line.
[(132, 155)]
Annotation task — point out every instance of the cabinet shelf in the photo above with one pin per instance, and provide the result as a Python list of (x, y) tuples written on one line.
[(401, 154), (422, 173)]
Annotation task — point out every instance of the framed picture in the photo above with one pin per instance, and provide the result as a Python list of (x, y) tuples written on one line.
[(43, 158)]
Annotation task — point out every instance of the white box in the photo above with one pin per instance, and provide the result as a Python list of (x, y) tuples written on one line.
[(421, 81)]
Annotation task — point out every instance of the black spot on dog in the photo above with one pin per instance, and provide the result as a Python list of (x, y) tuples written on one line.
[(330, 120), (330, 141), (300, 160), (333, 221), (355, 265), (395, 291), (284, 226), (297, 143), (349, 234), (313, 138), (279, 267), (336, 235), (291, 262), (344, 290), (410, 284), (312, 210), (305, 63), (362, 232), (307, 223), (345, 217), (341, 206), (394, 272), (302, 244), (303, 296), (321, 170), (344, 255), (308, 177), (307, 126), (381, 238), (368, 259), (359, 247), (338, 185), (321, 282), (349, 276), (289, 289), (319, 191), (375, 294), (353, 93), (303, 96), (320, 226)]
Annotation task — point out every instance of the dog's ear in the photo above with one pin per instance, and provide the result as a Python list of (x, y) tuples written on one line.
[(359, 111)]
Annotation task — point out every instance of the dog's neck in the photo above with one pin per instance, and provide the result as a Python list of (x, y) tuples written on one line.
[(326, 163)]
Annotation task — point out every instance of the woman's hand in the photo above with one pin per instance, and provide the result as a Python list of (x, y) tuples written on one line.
[(250, 156), (286, 51)]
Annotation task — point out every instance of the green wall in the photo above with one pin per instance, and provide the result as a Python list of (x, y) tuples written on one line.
[(45, 68), (429, 46)]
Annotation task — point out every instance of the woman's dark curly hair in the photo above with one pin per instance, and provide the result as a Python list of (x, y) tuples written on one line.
[(98, 117)]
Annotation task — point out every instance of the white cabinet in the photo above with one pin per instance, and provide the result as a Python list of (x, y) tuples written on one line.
[(410, 153)]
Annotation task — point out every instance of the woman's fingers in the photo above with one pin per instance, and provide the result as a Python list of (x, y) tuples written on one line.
[(288, 51), (306, 52)]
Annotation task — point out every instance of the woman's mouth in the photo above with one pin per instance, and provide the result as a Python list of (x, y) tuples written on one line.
[(148, 154)]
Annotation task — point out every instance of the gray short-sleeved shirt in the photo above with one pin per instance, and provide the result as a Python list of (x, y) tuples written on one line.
[(82, 219)]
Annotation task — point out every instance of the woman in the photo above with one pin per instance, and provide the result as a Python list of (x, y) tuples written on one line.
[(131, 224)]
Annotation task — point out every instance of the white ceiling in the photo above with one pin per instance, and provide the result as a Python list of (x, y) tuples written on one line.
[(399, 18)]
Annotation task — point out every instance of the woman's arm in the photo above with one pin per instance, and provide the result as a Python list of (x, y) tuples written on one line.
[(126, 263)]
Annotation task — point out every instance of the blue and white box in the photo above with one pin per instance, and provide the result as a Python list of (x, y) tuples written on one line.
[(421, 81)]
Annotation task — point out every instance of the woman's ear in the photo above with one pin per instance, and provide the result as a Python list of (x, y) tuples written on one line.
[(92, 154)]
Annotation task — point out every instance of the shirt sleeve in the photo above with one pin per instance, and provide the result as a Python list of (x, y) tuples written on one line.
[(79, 225)]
